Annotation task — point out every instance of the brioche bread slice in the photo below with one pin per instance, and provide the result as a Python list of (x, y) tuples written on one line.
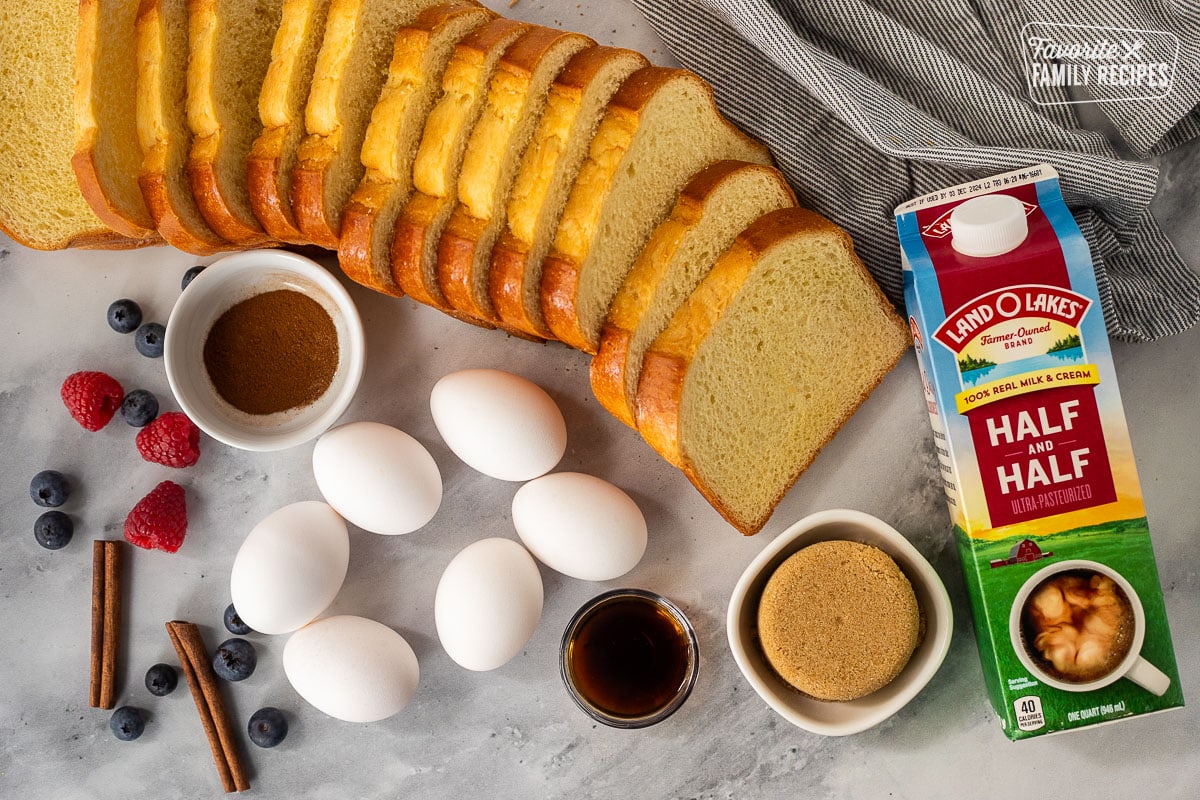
[(281, 111), (230, 48), (351, 68), (108, 155), (40, 203), (713, 208), (515, 101), (661, 127), (574, 106), (439, 158), (765, 361), (390, 145), (162, 51)]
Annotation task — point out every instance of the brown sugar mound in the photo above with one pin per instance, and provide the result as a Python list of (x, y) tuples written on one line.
[(838, 620)]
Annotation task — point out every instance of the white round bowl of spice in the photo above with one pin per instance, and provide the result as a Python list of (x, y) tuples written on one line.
[(264, 350)]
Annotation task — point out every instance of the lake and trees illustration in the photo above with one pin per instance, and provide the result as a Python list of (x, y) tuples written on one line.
[(974, 370)]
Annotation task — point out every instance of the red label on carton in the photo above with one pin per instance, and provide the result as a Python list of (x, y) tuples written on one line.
[(1041, 453)]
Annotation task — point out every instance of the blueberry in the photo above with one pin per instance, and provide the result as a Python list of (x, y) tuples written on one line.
[(149, 339), (49, 488), (235, 660), (268, 727), (127, 723), (124, 316), (161, 680), (190, 275), (53, 530), (139, 407), (234, 624)]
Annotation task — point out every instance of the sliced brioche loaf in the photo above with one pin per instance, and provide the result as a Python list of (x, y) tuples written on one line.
[(230, 48), (439, 158), (575, 104), (40, 203), (390, 143), (713, 208), (351, 68), (765, 361), (108, 155), (281, 111), (515, 101), (162, 49), (661, 127)]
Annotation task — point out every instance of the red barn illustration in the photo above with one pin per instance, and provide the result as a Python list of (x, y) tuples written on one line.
[(1022, 552)]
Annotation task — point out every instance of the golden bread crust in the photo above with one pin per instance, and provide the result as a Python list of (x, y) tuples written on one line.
[(507, 286), (408, 251), (419, 58), (270, 193), (94, 53), (455, 261), (313, 219), (178, 232), (44, 208), (563, 267), (281, 111), (664, 370), (439, 157), (580, 223), (163, 131), (203, 175), (610, 367), (361, 220), (607, 372), (560, 278), (210, 115), (514, 105), (332, 146), (88, 176), (546, 173)]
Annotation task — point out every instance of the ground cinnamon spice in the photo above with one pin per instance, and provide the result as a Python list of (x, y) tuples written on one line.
[(272, 352)]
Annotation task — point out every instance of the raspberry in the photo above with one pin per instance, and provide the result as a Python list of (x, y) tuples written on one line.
[(92, 398), (172, 440), (159, 520)]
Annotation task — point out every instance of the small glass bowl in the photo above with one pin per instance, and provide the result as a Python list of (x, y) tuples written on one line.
[(691, 668)]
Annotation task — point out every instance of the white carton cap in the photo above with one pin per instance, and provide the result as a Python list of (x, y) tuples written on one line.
[(988, 226)]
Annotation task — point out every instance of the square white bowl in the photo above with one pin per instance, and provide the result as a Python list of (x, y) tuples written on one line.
[(833, 718), (221, 285)]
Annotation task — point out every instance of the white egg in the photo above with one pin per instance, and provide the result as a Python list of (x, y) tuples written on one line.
[(377, 477), (290, 567), (499, 423), (488, 603), (580, 525), (352, 668)]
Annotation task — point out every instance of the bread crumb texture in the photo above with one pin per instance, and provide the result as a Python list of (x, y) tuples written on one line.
[(804, 340), (838, 620), (40, 203)]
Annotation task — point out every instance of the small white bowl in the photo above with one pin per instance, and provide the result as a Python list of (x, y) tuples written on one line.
[(211, 293), (853, 716)]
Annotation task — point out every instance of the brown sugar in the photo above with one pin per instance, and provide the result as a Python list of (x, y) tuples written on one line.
[(272, 352), (838, 620)]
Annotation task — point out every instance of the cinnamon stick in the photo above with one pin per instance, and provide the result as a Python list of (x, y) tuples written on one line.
[(106, 621), (97, 623), (197, 670)]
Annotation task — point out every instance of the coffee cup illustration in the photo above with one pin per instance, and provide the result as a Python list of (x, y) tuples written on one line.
[(1078, 625)]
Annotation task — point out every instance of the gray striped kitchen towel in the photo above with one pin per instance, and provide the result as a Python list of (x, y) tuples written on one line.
[(868, 103)]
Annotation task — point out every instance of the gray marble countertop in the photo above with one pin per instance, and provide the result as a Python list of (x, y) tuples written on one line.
[(513, 732)]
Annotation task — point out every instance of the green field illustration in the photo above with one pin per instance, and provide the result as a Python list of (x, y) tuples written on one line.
[(1123, 545)]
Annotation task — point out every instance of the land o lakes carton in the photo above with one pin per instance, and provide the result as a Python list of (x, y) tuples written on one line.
[(1035, 456)]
